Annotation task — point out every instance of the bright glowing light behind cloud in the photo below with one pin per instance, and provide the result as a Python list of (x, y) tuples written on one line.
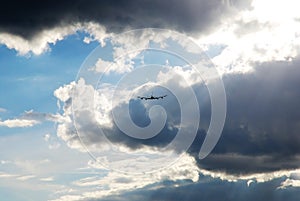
[(270, 31)]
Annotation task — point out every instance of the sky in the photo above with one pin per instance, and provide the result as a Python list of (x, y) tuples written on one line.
[(72, 125)]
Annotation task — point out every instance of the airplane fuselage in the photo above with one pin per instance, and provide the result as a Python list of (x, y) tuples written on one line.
[(152, 97)]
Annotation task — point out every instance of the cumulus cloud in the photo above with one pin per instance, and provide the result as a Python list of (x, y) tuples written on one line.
[(260, 109), (261, 127), (93, 123), (250, 132), (112, 66)]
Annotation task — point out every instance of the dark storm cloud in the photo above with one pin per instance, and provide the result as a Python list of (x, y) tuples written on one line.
[(27, 18), (212, 190), (262, 127)]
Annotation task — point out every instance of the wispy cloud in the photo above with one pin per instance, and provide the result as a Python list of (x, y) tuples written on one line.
[(2, 109), (31, 118), (25, 177), (290, 183), (47, 179), (7, 175), (15, 123)]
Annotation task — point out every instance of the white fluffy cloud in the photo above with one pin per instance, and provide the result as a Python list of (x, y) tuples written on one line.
[(41, 42), (119, 66), (14, 123)]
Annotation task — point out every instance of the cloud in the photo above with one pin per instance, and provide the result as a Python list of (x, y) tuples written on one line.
[(42, 40), (251, 177), (14, 123), (262, 123), (262, 120), (88, 117), (165, 188), (290, 183), (26, 177), (259, 148), (99, 19), (6, 175), (31, 118), (116, 183), (47, 179), (114, 15), (255, 35), (209, 190), (112, 66), (218, 26), (2, 110), (92, 107), (52, 141), (31, 115), (248, 134)]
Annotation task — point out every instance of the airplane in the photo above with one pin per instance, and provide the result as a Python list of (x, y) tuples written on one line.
[(151, 97)]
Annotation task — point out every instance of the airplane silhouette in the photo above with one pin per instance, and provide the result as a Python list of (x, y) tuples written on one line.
[(151, 97)]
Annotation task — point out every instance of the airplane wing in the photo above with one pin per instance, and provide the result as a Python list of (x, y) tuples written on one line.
[(162, 96)]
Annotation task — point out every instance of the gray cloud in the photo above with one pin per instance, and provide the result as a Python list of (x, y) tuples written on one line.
[(26, 18), (92, 134), (212, 190), (263, 121), (261, 128), (261, 132)]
